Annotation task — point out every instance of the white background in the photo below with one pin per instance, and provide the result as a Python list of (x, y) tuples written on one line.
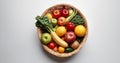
[(19, 42)]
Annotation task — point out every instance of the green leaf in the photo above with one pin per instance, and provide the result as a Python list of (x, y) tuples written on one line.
[(77, 20), (44, 23)]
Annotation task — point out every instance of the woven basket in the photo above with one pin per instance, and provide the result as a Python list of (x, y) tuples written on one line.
[(39, 31)]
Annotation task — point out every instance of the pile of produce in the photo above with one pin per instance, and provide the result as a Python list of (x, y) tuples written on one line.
[(63, 29)]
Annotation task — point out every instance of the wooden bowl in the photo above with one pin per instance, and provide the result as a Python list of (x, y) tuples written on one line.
[(39, 31)]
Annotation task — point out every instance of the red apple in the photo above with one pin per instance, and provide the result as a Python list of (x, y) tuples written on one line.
[(61, 21), (70, 26), (70, 36), (65, 12), (56, 13)]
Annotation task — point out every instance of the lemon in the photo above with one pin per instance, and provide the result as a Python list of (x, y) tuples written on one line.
[(80, 30), (61, 30), (49, 16)]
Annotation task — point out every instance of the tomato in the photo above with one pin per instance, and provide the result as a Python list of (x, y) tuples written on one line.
[(70, 26), (65, 12), (61, 21), (51, 45), (55, 49), (56, 13)]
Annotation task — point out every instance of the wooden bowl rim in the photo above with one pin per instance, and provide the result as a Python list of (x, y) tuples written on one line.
[(81, 44)]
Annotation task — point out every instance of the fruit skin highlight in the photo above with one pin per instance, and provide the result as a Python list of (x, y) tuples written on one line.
[(80, 30)]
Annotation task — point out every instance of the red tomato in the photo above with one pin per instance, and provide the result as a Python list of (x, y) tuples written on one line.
[(65, 12), (56, 13), (70, 26), (61, 21), (55, 49), (51, 45)]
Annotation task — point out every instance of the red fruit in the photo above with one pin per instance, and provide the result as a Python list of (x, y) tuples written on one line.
[(56, 13), (70, 26), (65, 12), (70, 37), (55, 49), (61, 21), (51, 45)]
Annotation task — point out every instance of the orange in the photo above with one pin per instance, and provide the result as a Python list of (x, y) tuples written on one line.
[(80, 30), (60, 31)]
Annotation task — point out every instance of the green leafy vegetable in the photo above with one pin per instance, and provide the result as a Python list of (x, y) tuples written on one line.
[(77, 20), (44, 23)]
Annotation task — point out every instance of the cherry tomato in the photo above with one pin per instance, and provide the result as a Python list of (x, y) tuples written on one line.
[(56, 13), (55, 49), (51, 45), (70, 26)]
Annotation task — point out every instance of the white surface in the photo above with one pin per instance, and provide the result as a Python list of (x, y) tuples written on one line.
[(19, 42)]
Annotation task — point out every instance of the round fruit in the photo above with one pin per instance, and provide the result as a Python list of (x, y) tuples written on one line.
[(80, 30), (70, 11), (70, 26), (46, 38), (51, 45), (49, 16), (61, 49), (65, 12), (54, 21), (70, 36), (55, 49), (61, 21), (56, 13), (60, 31)]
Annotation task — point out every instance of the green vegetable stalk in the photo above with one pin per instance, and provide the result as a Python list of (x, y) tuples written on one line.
[(71, 16)]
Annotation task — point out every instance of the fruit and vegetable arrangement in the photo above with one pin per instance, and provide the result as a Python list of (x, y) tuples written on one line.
[(63, 29)]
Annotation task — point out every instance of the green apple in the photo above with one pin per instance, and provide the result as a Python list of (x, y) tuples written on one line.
[(54, 21), (46, 38)]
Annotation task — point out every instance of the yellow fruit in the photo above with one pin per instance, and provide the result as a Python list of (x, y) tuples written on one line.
[(49, 16), (60, 31), (61, 49), (80, 30)]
